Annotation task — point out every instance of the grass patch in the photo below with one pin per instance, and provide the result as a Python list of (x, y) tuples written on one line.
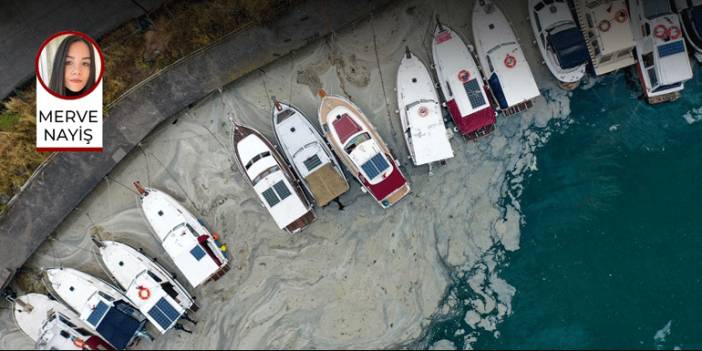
[(8, 120)]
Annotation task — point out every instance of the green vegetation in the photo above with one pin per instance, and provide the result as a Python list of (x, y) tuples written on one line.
[(133, 52)]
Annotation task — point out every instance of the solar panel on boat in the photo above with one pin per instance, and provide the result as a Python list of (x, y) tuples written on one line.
[(475, 95), (97, 313), (169, 310), (375, 166), (671, 48), (271, 197), (159, 318), (197, 252), (282, 189), (312, 162), (164, 314)]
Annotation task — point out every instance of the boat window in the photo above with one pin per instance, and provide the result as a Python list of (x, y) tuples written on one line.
[(66, 322), (655, 8), (652, 77), (536, 17), (490, 67), (82, 331), (539, 6), (191, 230), (448, 87), (256, 158), (357, 140), (105, 296), (648, 59), (548, 2), (265, 173), (65, 334), (153, 276), (590, 23), (284, 115), (312, 162), (164, 314), (307, 146), (375, 166)]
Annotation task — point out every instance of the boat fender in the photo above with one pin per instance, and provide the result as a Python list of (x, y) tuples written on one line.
[(215, 236), (510, 61), (674, 32), (423, 111), (144, 293), (604, 26), (78, 342), (621, 16), (661, 32), (464, 76)]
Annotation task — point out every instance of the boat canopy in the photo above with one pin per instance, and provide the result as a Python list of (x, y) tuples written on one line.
[(569, 47), (696, 15), (655, 8)]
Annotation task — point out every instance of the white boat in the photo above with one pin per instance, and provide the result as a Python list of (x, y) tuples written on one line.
[(53, 326), (275, 185), (690, 13), (606, 27), (560, 41), (101, 307), (663, 64), (502, 60), (461, 84), (420, 113), (148, 286), (314, 163), (192, 247), (361, 149)]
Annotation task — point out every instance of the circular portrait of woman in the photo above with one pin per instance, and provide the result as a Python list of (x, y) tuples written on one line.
[(69, 65)]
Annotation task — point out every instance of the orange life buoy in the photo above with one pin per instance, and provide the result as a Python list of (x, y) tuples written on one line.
[(464, 76), (510, 61), (674, 32), (661, 32), (621, 16), (423, 111), (604, 26), (79, 342), (144, 293)]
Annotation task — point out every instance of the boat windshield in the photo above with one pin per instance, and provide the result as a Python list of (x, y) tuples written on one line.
[(569, 47), (655, 8), (307, 146), (265, 173), (357, 140)]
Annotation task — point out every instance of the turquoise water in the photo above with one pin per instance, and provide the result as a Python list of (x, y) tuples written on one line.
[(611, 250)]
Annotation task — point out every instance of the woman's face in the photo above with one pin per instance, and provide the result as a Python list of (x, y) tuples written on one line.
[(77, 70)]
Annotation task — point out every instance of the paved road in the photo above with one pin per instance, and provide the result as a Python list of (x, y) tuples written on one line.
[(26, 24)]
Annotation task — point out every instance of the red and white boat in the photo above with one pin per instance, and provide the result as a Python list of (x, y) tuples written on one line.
[(462, 84), (361, 149)]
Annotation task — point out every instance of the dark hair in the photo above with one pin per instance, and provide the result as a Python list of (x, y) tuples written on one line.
[(57, 83)]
